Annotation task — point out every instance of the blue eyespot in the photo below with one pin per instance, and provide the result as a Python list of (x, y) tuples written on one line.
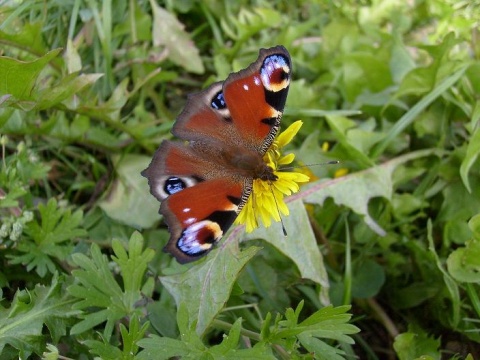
[(218, 101), (174, 185)]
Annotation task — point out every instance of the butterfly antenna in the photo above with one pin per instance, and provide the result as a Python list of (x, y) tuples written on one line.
[(333, 162), (278, 211)]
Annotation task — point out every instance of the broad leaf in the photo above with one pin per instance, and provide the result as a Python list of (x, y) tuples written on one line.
[(299, 245), (416, 345), (19, 77), (355, 190), (207, 285), (129, 200), (169, 32)]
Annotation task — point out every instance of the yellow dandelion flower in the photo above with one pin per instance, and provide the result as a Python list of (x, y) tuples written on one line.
[(267, 198)]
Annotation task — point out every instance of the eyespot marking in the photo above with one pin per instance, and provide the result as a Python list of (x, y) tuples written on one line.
[(218, 101), (275, 73), (199, 238), (173, 185), (167, 185)]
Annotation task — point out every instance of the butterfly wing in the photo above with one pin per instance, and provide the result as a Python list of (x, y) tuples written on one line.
[(225, 125), (245, 110), (255, 97), (200, 200)]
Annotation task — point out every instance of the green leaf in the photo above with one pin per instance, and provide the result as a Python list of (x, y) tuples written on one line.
[(21, 325), (474, 226), (206, 286), (459, 204), (321, 349), (326, 323), (342, 126), (299, 245), (169, 32), (401, 61), (20, 77), (355, 190), (364, 72), (190, 345), (450, 283), (70, 85), (416, 345), (415, 294), (72, 58), (130, 338), (26, 36), (368, 279), (98, 289), (464, 263), (456, 232), (246, 23), (473, 150), (129, 200), (52, 238), (169, 348), (412, 114)]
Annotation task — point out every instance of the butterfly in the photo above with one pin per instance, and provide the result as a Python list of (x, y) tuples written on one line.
[(204, 181)]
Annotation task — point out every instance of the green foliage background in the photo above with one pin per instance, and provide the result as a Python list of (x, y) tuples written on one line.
[(383, 255)]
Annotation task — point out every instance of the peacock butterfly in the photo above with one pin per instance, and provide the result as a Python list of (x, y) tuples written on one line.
[(203, 184)]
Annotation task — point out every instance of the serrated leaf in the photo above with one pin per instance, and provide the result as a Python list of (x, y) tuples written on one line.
[(98, 288), (52, 237), (190, 345), (206, 286), (133, 264), (130, 337), (169, 32), (230, 341), (21, 325), (327, 323), (320, 348), (170, 348), (57, 225)]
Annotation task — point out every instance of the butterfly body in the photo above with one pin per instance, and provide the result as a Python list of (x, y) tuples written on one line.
[(204, 183)]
